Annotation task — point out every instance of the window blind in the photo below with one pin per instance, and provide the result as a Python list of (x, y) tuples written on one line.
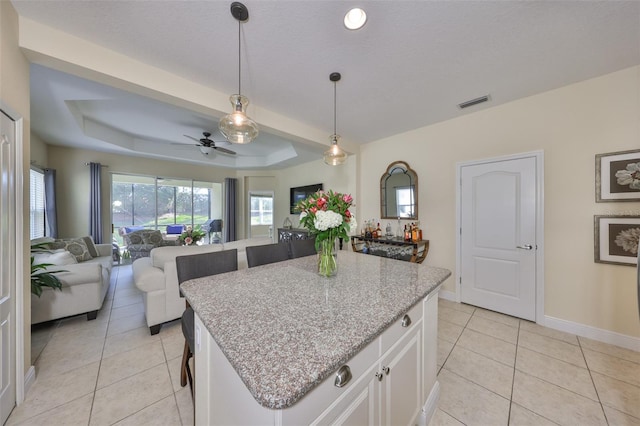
[(36, 201)]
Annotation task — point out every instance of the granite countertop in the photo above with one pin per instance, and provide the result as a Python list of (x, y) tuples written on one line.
[(284, 328)]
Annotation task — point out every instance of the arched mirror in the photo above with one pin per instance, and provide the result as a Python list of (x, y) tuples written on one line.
[(399, 192)]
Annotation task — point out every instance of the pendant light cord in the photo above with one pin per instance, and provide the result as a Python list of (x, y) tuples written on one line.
[(335, 114), (239, 67)]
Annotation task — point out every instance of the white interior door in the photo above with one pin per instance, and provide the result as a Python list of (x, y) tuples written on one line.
[(498, 236), (7, 266)]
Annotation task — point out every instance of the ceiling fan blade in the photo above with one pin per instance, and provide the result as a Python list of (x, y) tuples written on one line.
[(191, 137), (184, 144), (225, 150)]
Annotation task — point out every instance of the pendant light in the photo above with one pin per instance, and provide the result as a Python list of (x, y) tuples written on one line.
[(237, 127), (335, 155)]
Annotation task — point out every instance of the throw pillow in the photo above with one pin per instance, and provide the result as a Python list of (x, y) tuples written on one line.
[(57, 257), (91, 246), (133, 238), (153, 237), (77, 247)]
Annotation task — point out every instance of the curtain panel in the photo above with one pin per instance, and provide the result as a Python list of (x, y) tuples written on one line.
[(230, 209), (95, 202), (50, 209)]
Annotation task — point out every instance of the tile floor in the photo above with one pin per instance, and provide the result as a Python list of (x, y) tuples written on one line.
[(493, 370), (107, 371), (499, 370)]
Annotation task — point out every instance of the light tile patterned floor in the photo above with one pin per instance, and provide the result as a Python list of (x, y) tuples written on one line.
[(107, 371), (498, 370), (493, 369)]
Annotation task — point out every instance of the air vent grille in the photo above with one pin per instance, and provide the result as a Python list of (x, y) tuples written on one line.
[(473, 102)]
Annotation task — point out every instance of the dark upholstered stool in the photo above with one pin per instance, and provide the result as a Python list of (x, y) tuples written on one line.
[(268, 253), (302, 248), (188, 268)]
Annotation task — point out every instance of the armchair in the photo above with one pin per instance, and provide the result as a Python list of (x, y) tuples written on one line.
[(140, 243)]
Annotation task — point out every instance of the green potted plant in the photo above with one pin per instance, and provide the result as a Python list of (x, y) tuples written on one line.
[(39, 276), (126, 257)]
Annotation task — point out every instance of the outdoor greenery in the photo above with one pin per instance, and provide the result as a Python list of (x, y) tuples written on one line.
[(140, 204)]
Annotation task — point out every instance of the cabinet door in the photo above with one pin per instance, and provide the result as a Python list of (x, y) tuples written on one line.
[(401, 384)]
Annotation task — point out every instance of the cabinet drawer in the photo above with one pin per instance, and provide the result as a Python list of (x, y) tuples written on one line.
[(326, 393), (392, 334)]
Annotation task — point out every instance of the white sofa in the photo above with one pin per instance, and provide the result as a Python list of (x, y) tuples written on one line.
[(84, 287), (156, 276)]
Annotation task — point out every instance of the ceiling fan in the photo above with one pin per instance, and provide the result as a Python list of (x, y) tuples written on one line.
[(207, 146)]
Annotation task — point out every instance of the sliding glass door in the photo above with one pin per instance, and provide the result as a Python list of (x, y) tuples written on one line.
[(155, 202)]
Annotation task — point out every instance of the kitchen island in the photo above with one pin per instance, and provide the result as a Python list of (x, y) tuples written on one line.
[(278, 344)]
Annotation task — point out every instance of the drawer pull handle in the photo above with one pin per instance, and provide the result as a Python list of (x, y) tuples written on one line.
[(406, 321), (343, 376), (379, 376), (386, 370)]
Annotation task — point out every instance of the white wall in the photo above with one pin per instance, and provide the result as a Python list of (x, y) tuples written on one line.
[(571, 125), (338, 178)]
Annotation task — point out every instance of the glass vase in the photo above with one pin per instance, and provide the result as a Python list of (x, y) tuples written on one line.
[(327, 258)]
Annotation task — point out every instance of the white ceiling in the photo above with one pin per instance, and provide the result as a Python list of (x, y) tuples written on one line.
[(409, 67)]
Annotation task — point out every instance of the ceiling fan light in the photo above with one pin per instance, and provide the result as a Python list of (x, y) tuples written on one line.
[(237, 127), (335, 155), (206, 150)]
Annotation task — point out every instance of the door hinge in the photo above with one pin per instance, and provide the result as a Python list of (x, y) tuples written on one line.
[(460, 280), (460, 231)]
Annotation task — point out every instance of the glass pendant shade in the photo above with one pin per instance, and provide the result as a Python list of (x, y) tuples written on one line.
[(335, 155), (237, 127)]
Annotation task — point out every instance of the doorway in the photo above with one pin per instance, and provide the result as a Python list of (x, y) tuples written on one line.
[(261, 214), (500, 235)]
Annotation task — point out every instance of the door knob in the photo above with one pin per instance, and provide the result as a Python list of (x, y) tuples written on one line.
[(525, 247)]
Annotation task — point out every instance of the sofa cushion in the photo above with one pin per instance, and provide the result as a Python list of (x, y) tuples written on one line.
[(76, 246), (56, 257), (175, 229)]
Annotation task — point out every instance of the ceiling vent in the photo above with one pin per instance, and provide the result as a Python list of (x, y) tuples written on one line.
[(473, 102)]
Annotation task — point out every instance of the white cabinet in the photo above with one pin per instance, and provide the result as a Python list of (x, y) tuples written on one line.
[(401, 381), (392, 382), (390, 393)]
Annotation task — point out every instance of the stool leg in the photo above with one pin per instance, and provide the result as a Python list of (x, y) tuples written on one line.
[(184, 365)]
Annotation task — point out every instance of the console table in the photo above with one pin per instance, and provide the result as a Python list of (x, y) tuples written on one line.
[(288, 234), (394, 248)]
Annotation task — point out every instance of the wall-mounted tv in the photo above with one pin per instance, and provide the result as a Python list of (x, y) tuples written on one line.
[(301, 192)]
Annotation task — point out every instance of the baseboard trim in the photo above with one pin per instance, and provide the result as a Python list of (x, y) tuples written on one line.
[(29, 379), (594, 333), (448, 295)]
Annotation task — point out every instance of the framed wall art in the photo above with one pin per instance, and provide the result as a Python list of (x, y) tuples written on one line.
[(616, 239), (618, 176)]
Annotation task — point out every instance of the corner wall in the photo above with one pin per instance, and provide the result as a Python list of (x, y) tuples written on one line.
[(571, 125)]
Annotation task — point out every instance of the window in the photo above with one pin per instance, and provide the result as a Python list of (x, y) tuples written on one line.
[(261, 210), (404, 201), (36, 205), (155, 202)]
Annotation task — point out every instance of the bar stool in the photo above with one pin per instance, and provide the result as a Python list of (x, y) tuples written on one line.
[(188, 268)]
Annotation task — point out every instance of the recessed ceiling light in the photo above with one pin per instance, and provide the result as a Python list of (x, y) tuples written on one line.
[(355, 19)]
